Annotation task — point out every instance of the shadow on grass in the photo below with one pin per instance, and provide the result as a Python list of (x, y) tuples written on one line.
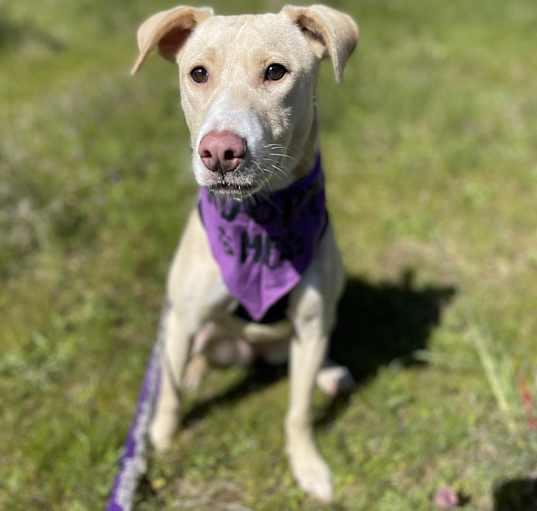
[(516, 495), (382, 323), (259, 376), (377, 324), (14, 34)]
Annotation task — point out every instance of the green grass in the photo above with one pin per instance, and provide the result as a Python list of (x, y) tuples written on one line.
[(430, 148)]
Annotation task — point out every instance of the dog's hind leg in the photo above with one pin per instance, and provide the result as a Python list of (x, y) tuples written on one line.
[(198, 364), (334, 379), (195, 372), (212, 348)]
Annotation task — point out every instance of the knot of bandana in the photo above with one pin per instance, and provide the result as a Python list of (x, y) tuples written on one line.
[(263, 246)]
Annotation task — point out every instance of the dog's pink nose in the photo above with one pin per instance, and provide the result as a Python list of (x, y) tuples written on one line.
[(222, 151)]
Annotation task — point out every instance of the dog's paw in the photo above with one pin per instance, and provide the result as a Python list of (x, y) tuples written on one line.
[(334, 380), (313, 475)]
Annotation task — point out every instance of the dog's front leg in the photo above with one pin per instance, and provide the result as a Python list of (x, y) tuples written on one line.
[(309, 468), (196, 293), (308, 349), (313, 313), (177, 339)]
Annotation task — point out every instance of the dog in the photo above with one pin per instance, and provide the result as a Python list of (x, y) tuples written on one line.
[(260, 241)]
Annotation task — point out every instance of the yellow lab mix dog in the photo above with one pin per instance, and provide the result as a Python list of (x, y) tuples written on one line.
[(248, 92)]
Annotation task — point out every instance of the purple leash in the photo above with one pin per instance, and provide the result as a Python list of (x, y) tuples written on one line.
[(133, 461)]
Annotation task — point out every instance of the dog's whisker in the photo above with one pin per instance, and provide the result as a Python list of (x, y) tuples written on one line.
[(273, 160), (282, 155)]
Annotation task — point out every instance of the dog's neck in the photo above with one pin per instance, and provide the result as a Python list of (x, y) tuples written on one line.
[(311, 148)]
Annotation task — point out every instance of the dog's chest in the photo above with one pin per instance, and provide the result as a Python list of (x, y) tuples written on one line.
[(264, 245)]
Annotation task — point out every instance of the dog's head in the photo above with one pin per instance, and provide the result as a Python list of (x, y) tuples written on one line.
[(248, 87)]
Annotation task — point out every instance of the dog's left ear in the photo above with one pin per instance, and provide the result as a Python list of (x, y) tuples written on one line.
[(328, 31), (168, 30)]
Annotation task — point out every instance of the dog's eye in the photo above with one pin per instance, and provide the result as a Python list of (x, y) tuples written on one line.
[(199, 74), (275, 72)]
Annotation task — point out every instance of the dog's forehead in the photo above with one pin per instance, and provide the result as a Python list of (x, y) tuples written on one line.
[(251, 32)]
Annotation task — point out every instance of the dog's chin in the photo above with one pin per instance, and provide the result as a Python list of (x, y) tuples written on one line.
[(237, 185), (233, 190)]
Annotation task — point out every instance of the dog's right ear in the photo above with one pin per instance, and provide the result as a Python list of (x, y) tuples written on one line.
[(168, 30)]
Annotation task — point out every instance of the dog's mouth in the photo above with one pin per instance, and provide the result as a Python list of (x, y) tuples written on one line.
[(236, 190), (250, 178), (237, 184)]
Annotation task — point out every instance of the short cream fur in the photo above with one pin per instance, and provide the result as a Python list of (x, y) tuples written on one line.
[(236, 50)]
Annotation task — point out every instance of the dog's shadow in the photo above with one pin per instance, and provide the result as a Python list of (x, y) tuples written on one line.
[(378, 324), (516, 495)]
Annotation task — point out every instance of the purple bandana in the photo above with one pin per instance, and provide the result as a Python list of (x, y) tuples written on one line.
[(263, 246)]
